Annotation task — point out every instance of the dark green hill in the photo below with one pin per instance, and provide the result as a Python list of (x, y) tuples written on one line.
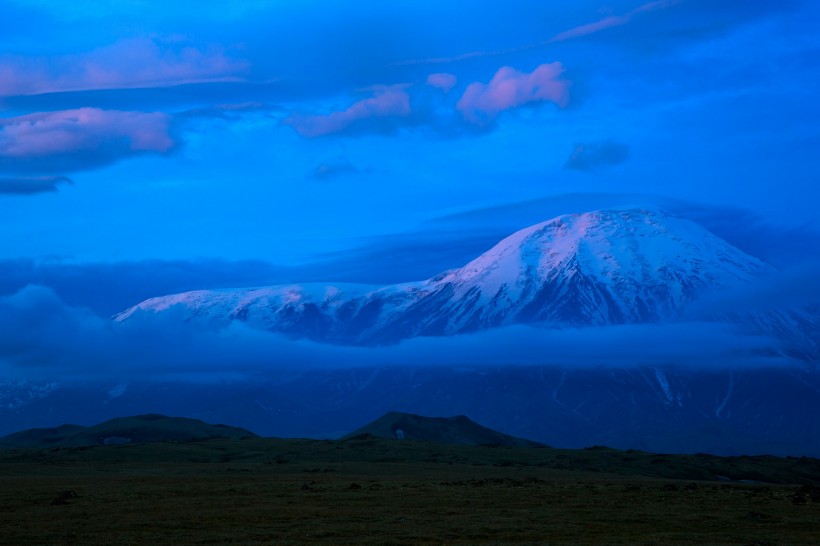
[(139, 429), (443, 430)]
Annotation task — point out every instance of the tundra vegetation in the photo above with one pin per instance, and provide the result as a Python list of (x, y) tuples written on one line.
[(369, 490)]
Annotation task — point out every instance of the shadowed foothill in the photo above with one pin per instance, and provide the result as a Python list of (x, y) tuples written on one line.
[(444, 430), (139, 429)]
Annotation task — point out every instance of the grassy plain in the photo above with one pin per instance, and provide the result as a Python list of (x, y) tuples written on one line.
[(372, 491)]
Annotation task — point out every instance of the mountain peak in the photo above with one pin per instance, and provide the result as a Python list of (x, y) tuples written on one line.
[(601, 267)]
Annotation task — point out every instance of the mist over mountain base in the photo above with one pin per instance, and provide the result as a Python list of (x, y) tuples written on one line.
[(659, 409)]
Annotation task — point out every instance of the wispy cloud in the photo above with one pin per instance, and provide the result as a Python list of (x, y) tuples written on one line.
[(569, 34), (129, 63), (333, 169), (32, 184), (509, 88), (389, 102), (229, 111), (71, 140), (610, 21)]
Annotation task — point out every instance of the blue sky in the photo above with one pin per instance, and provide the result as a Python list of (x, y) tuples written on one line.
[(197, 140), (151, 147)]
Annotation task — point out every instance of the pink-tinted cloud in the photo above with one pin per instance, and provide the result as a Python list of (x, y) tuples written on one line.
[(70, 140), (389, 103), (509, 88), (442, 81), (609, 22), (590, 28), (131, 63)]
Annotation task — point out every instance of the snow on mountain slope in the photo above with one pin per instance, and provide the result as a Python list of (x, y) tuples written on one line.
[(596, 268), (604, 267)]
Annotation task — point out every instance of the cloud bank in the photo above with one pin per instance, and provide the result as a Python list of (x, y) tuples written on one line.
[(41, 337)]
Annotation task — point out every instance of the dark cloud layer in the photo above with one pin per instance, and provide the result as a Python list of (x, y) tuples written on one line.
[(591, 156), (793, 287), (753, 233), (32, 185), (333, 169)]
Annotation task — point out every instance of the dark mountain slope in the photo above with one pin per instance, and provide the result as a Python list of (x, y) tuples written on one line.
[(123, 430), (444, 430)]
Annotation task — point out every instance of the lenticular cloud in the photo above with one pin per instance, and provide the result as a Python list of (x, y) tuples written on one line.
[(125, 64)]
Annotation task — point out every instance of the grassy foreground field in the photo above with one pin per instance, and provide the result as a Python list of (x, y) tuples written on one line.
[(371, 491)]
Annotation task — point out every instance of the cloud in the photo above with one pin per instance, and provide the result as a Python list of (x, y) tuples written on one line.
[(419, 107), (375, 114), (31, 185), (793, 287), (569, 34), (394, 258), (442, 81), (85, 138), (509, 88), (784, 246), (41, 337), (333, 169), (229, 111), (594, 155), (129, 63)]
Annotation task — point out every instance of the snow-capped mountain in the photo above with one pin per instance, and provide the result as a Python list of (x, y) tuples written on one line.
[(597, 268), (603, 268)]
